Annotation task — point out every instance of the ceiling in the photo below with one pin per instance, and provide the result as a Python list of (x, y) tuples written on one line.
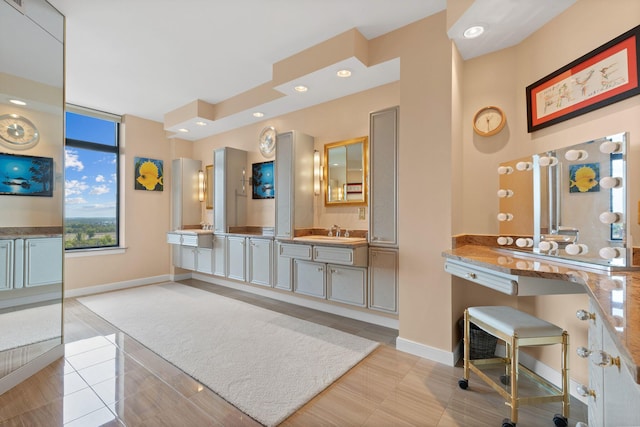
[(151, 57)]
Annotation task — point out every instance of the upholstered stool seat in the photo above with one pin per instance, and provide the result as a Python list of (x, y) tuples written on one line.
[(517, 329)]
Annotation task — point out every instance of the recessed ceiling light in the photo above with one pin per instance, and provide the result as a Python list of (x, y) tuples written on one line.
[(258, 114), (473, 32), (201, 123), (301, 88), (17, 102), (344, 73), (183, 130)]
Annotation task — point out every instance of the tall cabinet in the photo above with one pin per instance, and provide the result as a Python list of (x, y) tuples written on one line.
[(185, 205), (383, 210), (293, 183), (230, 183)]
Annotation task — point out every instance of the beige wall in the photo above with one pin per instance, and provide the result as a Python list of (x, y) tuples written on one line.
[(145, 220)]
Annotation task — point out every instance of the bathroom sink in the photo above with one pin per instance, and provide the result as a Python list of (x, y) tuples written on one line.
[(331, 239)]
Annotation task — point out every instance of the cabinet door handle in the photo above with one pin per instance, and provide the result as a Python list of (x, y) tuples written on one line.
[(585, 315), (320, 269), (470, 276), (585, 391)]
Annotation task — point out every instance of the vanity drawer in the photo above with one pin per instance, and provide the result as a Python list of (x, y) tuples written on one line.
[(198, 240), (501, 282), (295, 251), (347, 256), (174, 238)]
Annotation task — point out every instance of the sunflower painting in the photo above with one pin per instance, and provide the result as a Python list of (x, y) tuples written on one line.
[(584, 178), (149, 174)]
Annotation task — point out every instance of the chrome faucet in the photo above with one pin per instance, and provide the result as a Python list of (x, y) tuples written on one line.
[(337, 233)]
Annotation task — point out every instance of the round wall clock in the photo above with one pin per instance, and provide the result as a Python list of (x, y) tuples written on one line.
[(17, 132), (489, 121), (267, 141)]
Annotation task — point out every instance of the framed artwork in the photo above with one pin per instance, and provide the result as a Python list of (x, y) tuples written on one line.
[(262, 180), (149, 174), (26, 175), (584, 178), (354, 188), (603, 76)]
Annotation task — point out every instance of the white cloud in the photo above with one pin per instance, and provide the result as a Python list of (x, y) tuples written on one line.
[(99, 189), (72, 161), (74, 187), (99, 178), (74, 200)]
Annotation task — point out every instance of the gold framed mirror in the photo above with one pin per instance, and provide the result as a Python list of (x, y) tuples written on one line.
[(345, 172), (208, 187)]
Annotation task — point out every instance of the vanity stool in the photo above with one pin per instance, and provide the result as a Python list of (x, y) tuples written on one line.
[(517, 329)]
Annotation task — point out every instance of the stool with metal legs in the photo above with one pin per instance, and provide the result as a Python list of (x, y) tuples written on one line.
[(517, 329)]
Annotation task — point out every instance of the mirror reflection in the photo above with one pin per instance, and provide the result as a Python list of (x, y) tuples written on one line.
[(32, 191), (345, 180), (208, 186), (577, 207)]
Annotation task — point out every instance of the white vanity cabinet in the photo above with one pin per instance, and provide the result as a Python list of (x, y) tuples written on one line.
[(293, 183), (615, 393), (347, 284), (283, 269), (219, 257), (260, 253), (192, 250), (309, 278), (236, 258), (6, 264), (204, 263), (383, 177), (383, 279)]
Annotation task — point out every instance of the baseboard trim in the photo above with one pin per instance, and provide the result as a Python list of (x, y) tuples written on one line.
[(90, 290), (304, 302), (427, 352), (22, 373)]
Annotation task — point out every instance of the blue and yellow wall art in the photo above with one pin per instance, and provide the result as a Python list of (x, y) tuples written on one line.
[(149, 174), (584, 178)]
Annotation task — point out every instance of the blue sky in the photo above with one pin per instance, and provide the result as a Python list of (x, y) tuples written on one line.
[(90, 176)]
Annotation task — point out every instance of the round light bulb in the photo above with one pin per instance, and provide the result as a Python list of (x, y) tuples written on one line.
[(577, 249), (547, 246), (505, 240), (548, 161), (573, 155), (610, 253), (610, 217), (505, 193), (524, 242), (611, 182), (505, 170), (502, 216), (524, 166), (609, 147)]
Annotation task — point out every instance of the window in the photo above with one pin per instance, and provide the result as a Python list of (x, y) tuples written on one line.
[(91, 216)]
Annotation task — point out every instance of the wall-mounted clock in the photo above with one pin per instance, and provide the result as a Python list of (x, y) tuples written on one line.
[(267, 141), (489, 121), (17, 132)]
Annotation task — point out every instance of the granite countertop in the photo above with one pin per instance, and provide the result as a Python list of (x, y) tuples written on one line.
[(599, 284), (30, 232)]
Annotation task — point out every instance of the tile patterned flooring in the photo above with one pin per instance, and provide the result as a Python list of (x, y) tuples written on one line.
[(108, 379)]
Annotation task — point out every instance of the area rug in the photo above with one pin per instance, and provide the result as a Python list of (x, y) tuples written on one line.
[(265, 363), (31, 325)]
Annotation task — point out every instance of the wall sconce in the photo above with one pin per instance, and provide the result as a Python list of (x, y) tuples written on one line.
[(317, 172), (201, 186)]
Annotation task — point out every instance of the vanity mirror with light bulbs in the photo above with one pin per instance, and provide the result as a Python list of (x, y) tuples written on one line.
[(345, 172), (569, 203)]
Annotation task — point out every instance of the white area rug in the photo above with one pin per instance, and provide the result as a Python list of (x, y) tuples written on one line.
[(29, 326), (265, 363)]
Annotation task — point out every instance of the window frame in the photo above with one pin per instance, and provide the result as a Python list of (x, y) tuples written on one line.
[(104, 148)]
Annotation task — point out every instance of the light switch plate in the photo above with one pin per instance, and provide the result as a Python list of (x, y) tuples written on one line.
[(361, 213)]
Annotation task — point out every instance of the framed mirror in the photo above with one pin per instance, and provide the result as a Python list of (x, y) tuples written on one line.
[(345, 172), (208, 187)]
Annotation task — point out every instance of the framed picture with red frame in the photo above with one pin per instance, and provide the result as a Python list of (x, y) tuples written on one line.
[(603, 76)]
